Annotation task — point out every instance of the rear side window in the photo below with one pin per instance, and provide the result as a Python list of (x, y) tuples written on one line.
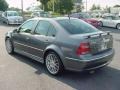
[(52, 31), (76, 26), (108, 18), (42, 28)]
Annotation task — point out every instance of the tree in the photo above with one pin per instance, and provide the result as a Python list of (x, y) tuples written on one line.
[(94, 7), (107, 9), (14, 9), (44, 4), (79, 7), (3, 5), (61, 6), (66, 6), (77, 1), (117, 6), (98, 7)]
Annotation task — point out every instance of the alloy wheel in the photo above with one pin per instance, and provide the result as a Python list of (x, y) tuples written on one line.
[(52, 63), (118, 26), (9, 46)]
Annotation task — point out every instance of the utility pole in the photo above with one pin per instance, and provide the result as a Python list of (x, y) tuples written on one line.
[(22, 8), (86, 5), (53, 6)]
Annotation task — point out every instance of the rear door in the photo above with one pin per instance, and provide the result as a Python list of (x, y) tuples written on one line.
[(107, 21), (110, 21), (39, 39), (113, 22)]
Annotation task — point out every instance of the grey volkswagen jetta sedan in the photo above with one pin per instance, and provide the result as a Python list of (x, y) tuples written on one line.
[(62, 44)]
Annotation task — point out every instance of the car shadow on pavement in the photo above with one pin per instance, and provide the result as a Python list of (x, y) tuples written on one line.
[(107, 78)]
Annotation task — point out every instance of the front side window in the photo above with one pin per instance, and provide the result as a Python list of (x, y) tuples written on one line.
[(108, 18), (27, 27), (42, 28), (115, 18)]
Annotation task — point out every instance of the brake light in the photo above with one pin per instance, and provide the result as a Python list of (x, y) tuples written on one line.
[(83, 49), (89, 22)]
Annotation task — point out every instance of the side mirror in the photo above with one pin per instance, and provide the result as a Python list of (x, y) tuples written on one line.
[(15, 30)]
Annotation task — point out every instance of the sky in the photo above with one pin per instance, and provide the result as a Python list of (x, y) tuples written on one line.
[(17, 3), (102, 3), (27, 3)]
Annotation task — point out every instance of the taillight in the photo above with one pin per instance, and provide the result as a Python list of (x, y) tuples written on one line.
[(83, 49), (89, 22)]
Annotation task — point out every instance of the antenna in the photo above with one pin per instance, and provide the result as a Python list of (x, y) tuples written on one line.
[(69, 15)]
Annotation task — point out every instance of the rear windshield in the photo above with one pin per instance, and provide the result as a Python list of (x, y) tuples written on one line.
[(76, 26)]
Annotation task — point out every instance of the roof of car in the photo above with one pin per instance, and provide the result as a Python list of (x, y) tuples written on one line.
[(56, 18)]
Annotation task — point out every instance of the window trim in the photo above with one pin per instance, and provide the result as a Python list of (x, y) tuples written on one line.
[(48, 28), (25, 23), (93, 28)]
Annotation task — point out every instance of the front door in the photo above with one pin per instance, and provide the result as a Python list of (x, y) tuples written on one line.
[(22, 36), (107, 21), (39, 39)]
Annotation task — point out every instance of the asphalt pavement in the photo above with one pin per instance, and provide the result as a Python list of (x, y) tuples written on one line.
[(21, 73)]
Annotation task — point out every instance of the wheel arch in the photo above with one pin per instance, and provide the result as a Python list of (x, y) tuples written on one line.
[(117, 24), (8, 35), (54, 48), (12, 47), (101, 22)]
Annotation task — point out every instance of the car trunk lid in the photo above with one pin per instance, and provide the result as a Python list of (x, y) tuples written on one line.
[(100, 42)]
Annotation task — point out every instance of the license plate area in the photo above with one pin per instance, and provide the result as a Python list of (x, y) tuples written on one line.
[(104, 44), (99, 44)]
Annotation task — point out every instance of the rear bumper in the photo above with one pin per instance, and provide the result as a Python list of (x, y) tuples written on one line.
[(15, 23), (20, 22), (83, 65)]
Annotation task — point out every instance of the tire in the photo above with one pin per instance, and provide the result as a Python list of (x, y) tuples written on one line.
[(101, 24), (118, 26), (53, 63), (9, 46)]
